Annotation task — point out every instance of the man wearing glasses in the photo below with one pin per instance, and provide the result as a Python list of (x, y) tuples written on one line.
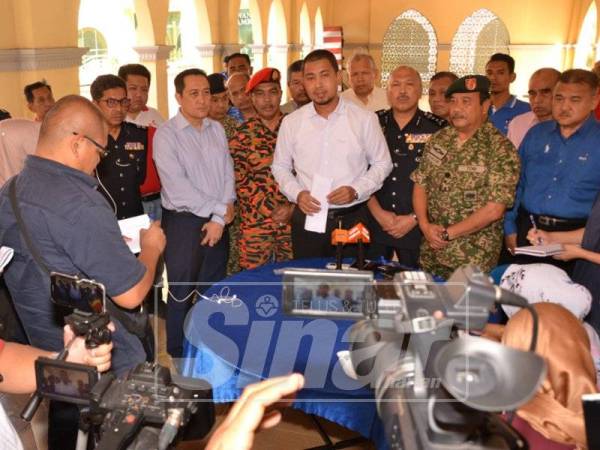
[(75, 232), (123, 170)]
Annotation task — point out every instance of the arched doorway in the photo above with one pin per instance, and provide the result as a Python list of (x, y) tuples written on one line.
[(277, 42), (585, 49), (305, 32), (250, 32), (187, 28), (478, 37), (108, 29), (410, 40)]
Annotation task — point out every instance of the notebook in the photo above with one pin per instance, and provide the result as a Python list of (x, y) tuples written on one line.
[(540, 251)]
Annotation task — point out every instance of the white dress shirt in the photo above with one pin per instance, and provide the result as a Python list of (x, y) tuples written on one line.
[(348, 147), (376, 100)]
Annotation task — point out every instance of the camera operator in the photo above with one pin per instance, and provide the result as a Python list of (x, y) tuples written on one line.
[(17, 372), (74, 231)]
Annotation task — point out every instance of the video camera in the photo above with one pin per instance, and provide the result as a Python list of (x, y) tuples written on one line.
[(147, 409), (147, 397), (434, 389)]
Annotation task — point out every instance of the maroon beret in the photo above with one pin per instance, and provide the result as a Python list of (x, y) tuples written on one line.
[(266, 75)]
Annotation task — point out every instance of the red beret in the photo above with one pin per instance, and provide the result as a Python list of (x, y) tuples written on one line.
[(266, 75)]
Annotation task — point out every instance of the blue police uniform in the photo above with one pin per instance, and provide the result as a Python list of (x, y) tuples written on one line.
[(406, 147), (123, 170)]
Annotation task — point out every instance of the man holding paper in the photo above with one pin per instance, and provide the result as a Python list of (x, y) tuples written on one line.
[(330, 157)]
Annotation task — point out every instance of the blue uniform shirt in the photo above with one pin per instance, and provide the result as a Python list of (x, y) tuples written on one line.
[(502, 117), (76, 233), (559, 177)]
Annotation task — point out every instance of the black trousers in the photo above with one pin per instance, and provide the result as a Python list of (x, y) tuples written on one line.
[(188, 263), (408, 257), (308, 244)]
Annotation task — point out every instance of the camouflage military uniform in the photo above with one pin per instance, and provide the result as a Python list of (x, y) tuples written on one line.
[(230, 125), (261, 240), (460, 180), (233, 262)]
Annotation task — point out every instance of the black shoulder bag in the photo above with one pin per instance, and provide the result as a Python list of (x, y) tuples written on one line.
[(136, 323)]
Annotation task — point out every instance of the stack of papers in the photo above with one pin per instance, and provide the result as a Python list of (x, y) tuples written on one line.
[(130, 229), (6, 254), (540, 251)]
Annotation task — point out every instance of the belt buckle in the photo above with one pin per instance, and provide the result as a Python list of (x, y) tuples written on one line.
[(547, 221)]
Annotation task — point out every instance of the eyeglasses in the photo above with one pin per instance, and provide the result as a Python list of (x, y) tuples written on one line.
[(114, 102), (103, 151)]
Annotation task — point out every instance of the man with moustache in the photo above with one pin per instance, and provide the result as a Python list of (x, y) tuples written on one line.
[(198, 191), (464, 183), (124, 169), (264, 211), (39, 99), (335, 145), (362, 73), (242, 106), (560, 174), (438, 103), (500, 70), (406, 129), (295, 82), (541, 85)]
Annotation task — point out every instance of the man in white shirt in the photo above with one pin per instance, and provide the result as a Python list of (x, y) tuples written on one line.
[(362, 73), (541, 85), (330, 144), (137, 79)]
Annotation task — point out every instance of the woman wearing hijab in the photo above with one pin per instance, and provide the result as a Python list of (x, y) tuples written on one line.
[(553, 418)]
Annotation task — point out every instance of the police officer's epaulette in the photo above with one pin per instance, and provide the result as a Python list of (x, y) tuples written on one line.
[(435, 119), (135, 125), (383, 116)]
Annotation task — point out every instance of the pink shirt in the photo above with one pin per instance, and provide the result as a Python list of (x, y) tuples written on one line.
[(519, 126), (18, 138)]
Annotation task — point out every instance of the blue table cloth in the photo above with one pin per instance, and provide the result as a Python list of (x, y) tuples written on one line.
[(234, 341)]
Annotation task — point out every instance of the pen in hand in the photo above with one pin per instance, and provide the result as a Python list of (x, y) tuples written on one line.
[(540, 241)]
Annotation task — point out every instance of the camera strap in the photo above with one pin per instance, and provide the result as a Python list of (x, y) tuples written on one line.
[(137, 325), (12, 193)]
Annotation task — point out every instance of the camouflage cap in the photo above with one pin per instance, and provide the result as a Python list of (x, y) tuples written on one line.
[(469, 83)]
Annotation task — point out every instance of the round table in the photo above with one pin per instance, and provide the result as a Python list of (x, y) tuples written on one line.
[(234, 341)]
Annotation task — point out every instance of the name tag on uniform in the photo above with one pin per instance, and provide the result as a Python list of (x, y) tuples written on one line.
[(471, 169), (438, 152), (433, 159), (417, 138), (134, 146)]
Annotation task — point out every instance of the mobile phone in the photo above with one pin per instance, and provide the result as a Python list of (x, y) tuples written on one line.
[(77, 293)]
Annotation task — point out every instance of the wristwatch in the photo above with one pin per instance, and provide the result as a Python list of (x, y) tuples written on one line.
[(444, 235)]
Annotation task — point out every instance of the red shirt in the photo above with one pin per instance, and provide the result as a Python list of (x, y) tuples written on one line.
[(151, 184)]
